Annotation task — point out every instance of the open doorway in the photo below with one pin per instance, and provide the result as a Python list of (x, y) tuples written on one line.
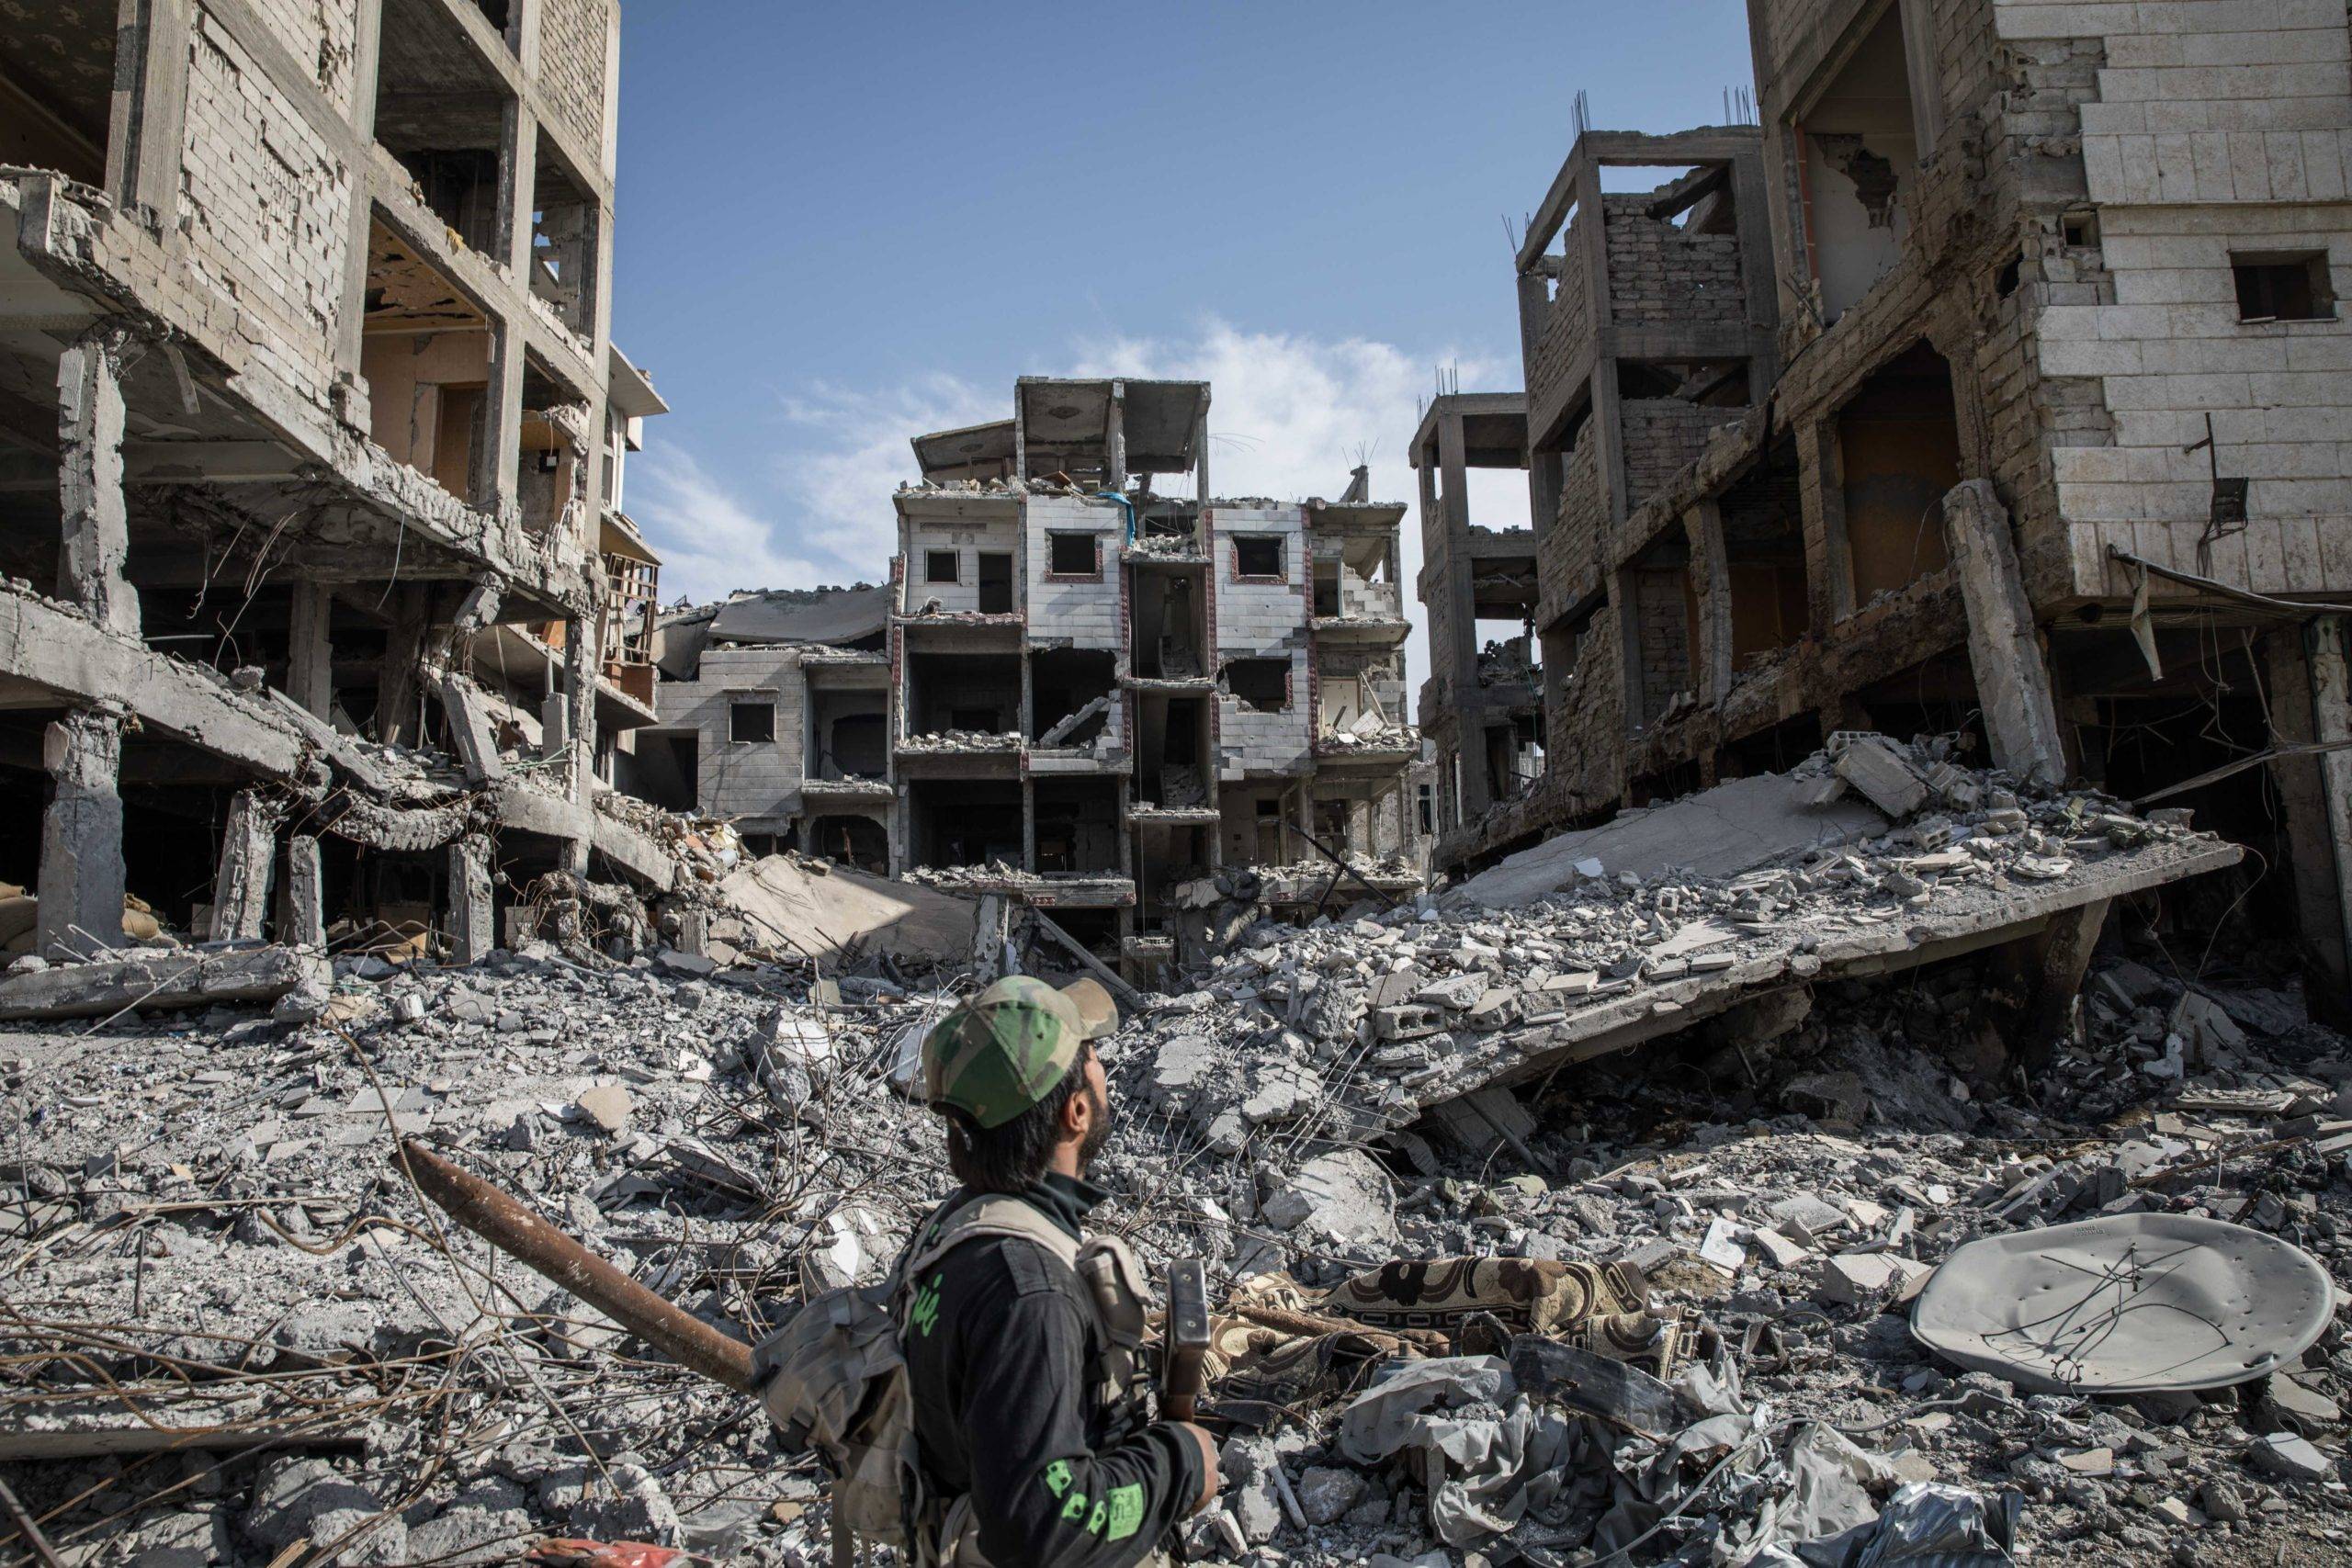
[(1898, 447)]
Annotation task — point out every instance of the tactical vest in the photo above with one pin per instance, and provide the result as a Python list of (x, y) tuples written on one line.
[(942, 1528)]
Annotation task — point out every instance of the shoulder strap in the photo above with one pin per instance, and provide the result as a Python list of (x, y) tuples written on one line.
[(992, 1215)]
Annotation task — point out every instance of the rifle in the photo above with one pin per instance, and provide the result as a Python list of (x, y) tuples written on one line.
[(1183, 1369)]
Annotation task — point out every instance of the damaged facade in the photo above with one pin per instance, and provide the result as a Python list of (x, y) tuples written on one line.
[(1995, 383), (320, 604), (1103, 697)]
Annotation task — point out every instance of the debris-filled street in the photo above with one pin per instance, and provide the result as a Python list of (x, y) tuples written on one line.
[(1654, 1304), (1738, 956)]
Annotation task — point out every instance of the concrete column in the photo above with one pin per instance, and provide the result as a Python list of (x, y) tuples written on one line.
[(1115, 456), (583, 663), (397, 681), (2064, 958), (97, 521), (1711, 580), (248, 855), (309, 653), (81, 882), (472, 932), (2312, 856), (1028, 824), (2004, 647), (304, 919), (2332, 725)]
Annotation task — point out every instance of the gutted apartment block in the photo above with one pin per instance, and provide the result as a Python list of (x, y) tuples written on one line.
[(1101, 694), (319, 601), (1482, 706), (774, 714), (2020, 410)]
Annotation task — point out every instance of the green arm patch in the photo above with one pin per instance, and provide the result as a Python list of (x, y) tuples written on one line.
[(1126, 1510)]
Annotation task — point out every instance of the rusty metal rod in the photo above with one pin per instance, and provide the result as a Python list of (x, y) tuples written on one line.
[(514, 1230)]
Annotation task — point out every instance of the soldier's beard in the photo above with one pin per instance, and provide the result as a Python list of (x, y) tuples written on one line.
[(1099, 1134)]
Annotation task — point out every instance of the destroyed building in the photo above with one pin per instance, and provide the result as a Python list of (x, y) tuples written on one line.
[(1994, 382), (319, 600), (1101, 694), (774, 710)]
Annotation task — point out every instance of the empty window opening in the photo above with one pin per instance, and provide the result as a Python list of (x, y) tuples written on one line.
[(941, 566), (1859, 143), (1935, 696), (859, 843), (1078, 826), (1172, 749), (2283, 285), (56, 96), (1074, 555), (552, 460), (1071, 693), (995, 583), (668, 768), (566, 228), (1899, 444), (850, 730), (1165, 619), (2079, 231), (439, 110), (424, 350), (1774, 750), (2005, 281), (750, 722), (1327, 588), (1764, 559), (1258, 556), (1262, 685), (978, 693), (1514, 756), (965, 822), (1097, 930)]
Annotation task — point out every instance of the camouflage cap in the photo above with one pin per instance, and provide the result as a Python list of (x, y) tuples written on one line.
[(1003, 1050)]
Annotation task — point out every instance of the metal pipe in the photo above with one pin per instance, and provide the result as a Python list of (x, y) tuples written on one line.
[(514, 1230)]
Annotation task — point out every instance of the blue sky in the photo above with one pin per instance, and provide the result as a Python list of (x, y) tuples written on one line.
[(841, 225)]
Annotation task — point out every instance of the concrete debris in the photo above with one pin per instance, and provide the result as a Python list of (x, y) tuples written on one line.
[(1589, 1295)]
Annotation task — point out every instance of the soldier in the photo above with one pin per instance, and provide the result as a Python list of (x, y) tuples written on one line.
[(1021, 1337)]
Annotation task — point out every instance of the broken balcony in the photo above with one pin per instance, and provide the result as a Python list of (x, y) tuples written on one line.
[(1172, 779), (426, 352), (961, 710), (440, 111), (845, 746), (1078, 827)]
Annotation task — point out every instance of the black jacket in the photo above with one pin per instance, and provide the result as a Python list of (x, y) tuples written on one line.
[(999, 1341)]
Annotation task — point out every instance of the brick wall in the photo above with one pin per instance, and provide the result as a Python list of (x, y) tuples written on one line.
[(572, 66), (755, 779), (1566, 333), (1568, 554), (1662, 437), (1255, 618), (1084, 612), (1249, 741), (968, 542), (1585, 737), (1663, 623), (265, 205), (1659, 272), (319, 34)]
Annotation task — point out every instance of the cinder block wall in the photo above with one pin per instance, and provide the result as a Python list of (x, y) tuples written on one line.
[(1069, 611), (755, 779)]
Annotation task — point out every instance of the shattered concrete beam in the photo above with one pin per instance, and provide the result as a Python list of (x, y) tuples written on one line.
[(159, 979), (248, 857), (466, 706), (305, 920), (82, 873), (50, 646), (2003, 648)]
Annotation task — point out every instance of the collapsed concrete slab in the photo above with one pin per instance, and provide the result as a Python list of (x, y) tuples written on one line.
[(1717, 832), (161, 979), (787, 903)]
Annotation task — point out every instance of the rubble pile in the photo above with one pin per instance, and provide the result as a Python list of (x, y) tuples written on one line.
[(1479, 1299)]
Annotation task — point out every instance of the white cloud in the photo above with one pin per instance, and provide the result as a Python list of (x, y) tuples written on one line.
[(1291, 415)]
